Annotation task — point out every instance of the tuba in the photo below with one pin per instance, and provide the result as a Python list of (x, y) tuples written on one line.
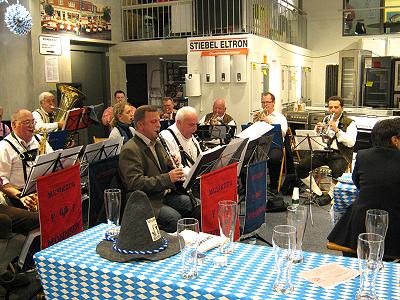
[(70, 97)]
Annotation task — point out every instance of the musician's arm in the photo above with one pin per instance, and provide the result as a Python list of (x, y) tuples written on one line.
[(11, 191), (348, 137), (49, 127)]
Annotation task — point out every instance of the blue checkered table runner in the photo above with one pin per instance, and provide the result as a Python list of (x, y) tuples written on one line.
[(71, 269), (344, 194)]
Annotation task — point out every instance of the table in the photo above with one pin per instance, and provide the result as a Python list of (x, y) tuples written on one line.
[(71, 269), (344, 194)]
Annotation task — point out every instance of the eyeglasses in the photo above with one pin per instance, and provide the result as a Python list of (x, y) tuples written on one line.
[(267, 102), (28, 122)]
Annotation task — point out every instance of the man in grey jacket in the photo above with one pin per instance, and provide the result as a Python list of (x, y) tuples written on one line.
[(144, 165)]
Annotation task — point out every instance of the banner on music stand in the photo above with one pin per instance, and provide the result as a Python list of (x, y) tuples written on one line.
[(216, 186), (256, 195), (60, 205)]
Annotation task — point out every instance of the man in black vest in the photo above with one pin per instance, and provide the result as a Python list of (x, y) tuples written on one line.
[(217, 115), (342, 133)]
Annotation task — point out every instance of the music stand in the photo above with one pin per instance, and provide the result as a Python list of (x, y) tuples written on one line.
[(50, 163), (77, 119), (203, 164), (97, 151), (166, 123), (232, 153), (57, 139), (309, 140)]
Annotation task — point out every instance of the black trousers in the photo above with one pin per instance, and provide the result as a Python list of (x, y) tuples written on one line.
[(334, 160), (274, 166)]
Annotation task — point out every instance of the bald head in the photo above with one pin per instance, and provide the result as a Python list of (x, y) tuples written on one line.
[(23, 124), (186, 121), (219, 107)]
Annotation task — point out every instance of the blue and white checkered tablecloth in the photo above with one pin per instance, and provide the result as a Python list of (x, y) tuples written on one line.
[(344, 194), (73, 270)]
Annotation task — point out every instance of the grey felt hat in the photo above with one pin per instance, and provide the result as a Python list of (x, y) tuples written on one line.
[(139, 237)]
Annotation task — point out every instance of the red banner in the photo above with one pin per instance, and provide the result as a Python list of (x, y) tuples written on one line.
[(60, 205), (216, 186)]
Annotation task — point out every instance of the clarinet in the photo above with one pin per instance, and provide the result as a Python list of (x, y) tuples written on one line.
[(165, 146)]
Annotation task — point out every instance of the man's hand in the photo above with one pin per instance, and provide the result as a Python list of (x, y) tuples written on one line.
[(176, 175), (30, 202), (332, 125), (265, 119), (60, 124)]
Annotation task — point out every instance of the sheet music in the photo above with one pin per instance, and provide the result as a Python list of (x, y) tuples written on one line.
[(67, 116), (316, 140), (203, 161), (232, 152), (45, 164), (97, 151)]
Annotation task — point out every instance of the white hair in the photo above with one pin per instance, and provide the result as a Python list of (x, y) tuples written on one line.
[(184, 112), (44, 95)]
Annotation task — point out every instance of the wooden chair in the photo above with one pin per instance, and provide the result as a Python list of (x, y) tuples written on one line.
[(336, 247), (96, 139)]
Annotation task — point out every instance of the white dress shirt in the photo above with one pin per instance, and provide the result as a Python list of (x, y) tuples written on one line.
[(11, 168), (49, 127), (189, 145), (277, 118), (347, 138)]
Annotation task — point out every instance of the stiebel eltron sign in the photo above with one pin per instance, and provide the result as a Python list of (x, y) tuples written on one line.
[(219, 46)]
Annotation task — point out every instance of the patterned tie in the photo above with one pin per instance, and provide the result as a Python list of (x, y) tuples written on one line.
[(51, 117)]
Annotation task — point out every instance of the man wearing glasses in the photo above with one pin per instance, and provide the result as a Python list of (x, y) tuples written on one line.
[(271, 116), (17, 154)]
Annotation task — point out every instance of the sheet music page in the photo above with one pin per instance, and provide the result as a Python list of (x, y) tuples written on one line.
[(197, 162), (255, 131)]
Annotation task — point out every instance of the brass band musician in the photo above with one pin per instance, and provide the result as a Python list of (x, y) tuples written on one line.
[(180, 140), (218, 116), (143, 166), (44, 115), (168, 112), (17, 154), (342, 135)]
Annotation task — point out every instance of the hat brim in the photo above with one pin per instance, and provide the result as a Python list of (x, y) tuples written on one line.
[(105, 250)]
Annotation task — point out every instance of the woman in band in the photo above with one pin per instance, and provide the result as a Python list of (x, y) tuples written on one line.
[(375, 174), (121, 122)]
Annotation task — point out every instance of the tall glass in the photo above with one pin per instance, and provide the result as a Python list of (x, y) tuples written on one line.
[(369, 260), (112, 204), (188, 234), (227, 214), (377, 221), (284, 243), (297, 217)]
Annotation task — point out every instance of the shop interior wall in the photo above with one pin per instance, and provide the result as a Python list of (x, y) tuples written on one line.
[(23, 72)]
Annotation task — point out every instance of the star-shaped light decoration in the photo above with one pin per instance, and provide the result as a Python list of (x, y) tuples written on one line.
[(18, 19)]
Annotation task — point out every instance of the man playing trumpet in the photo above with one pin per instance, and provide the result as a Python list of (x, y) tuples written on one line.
[(218, 116), (18, 151), (168, 112), (341, 133)]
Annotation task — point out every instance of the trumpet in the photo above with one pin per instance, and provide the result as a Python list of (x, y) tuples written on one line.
[(213, 121), (259, 114), (325, 130)]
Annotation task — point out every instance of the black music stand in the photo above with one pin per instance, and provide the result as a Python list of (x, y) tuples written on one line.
[(101, 150), (203, 164), (49, 163), (232, 153), (309, 140), (166, 123)]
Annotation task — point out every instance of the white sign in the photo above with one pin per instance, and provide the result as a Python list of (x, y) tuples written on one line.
[(49, 45), (51, 68)]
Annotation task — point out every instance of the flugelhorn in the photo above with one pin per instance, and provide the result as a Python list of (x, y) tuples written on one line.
[(213, 121), (259, 114)]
